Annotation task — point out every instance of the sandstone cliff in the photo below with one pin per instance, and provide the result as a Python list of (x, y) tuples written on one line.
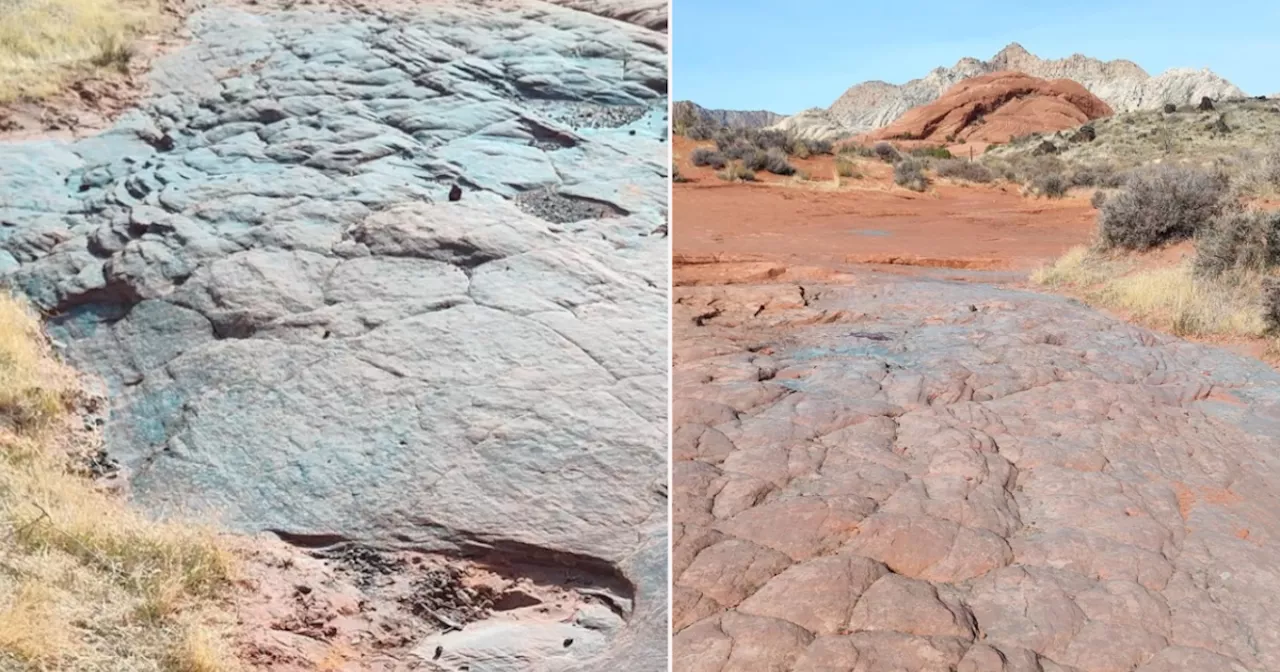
[(997, 108), (1121, 84)]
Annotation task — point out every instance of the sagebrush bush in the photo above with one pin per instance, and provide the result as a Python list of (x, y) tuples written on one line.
[(776, 162), (773, 139), (846, 168), (969, 171), (800, 149), (700, 132), (753, 159), (1238, 240), (1271, 303), (885, 152), (1099, 197), (820, 146), (736, 172), (857, 150), (909, 173), (931, 152), (707, 157), (1159, 204), (1049, 185), (739, 150), (1096, 175)]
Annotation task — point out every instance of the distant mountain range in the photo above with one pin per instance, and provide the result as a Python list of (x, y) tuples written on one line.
[(690, 112), (1121, 84)]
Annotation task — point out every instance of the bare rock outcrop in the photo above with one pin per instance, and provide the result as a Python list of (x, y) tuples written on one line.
[(899, 473), (1121, 84), (302, 332), (997, 107)]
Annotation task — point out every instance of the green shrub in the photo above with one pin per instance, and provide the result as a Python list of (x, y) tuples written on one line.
[(931, 152)]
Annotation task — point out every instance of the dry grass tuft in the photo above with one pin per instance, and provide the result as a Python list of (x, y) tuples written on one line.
[(1170, 298), (46, 43), (86, 582)]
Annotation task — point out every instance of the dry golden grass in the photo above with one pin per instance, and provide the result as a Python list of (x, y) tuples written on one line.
[(86, 582), (1169, 298), (44, 43)]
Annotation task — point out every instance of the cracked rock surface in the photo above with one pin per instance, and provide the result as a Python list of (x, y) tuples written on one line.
[(894, 473), (302, 332)]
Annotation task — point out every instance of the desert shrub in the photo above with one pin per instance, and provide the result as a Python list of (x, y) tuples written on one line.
[(1268, 167), (776, 162), (703, 156), (1099, 197), (1045, 147), (1159, 204), (1271, 303), (700, 132), (803, 175), (820, 147), (969, 171), (909, 173), (729, 137), (739, 150), (1238, 240), (856, 149), (1049, 185), (772, 139), (1101, 175), (736, 172), (846, 168), (1170, 108), (753, 160), (931, 152), (885, 152), (675, 174), (800, 149)]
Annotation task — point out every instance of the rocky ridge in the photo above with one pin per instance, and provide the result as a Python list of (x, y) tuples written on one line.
[(303, 333), (691, 112), (1121, 84), (996, 108)]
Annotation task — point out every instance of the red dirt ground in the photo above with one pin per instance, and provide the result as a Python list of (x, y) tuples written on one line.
[(869, 220)]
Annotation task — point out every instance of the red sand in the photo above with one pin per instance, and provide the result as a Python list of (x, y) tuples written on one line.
[(870, 220)]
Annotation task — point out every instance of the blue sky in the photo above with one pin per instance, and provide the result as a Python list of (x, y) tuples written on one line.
[(787, 55)]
